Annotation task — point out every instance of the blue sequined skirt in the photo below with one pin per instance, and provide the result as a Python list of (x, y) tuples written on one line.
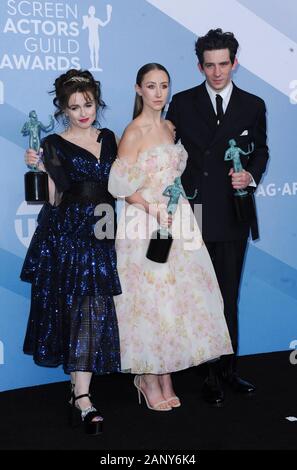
[(72, 318), (80, 333)]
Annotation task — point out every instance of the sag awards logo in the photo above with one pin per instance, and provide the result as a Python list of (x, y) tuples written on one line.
[(272, 189), (52, 34), (25, 222), (93, 24)]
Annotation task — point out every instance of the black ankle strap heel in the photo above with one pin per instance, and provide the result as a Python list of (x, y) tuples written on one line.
[(79, 416)]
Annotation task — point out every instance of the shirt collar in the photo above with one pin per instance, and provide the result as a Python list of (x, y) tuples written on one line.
[(225, 93)]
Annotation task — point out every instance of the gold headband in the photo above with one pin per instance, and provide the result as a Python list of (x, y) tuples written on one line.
[(76, 78)]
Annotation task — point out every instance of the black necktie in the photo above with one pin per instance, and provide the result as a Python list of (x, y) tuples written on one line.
[(220, 113)]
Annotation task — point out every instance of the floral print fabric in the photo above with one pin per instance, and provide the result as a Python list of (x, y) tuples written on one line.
[(170, 315)]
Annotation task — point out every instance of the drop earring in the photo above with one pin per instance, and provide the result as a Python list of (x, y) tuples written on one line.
[(66, 121)]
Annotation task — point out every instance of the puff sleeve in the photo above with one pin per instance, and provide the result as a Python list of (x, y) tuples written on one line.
[(125, 178), (183, 157)]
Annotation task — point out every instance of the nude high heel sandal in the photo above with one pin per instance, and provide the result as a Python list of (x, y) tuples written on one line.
[(157, 406)]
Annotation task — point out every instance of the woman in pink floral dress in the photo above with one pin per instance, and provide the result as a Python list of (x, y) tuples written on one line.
[(170, 315)]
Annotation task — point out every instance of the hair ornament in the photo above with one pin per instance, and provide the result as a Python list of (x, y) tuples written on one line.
[(77, 78)]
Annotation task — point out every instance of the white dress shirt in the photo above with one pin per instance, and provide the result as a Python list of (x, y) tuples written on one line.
[(225, 94)]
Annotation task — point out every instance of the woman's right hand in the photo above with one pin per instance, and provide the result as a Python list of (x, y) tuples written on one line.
[(160, 213), (31, 158), (164, 219)]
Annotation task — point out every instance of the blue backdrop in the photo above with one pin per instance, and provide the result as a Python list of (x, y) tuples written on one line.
[(41, 39)]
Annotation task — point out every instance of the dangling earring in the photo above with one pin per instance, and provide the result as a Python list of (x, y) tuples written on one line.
[(66, 121)]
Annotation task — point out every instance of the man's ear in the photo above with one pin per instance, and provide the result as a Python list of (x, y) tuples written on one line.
[(235, 64), (200, 68)]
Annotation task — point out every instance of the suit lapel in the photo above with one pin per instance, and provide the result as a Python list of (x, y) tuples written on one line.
[(231, 115), (204, 107)]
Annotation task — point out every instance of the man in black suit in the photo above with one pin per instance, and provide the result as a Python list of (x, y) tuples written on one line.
[(207, 117)]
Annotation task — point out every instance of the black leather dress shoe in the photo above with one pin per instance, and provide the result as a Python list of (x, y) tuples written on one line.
[(213, 392), (239, 385)]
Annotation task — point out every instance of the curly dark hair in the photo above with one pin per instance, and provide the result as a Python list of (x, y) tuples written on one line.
[(75, 81), (216, 39)]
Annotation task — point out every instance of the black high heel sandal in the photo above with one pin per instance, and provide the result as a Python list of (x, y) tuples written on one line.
[(77, 416)]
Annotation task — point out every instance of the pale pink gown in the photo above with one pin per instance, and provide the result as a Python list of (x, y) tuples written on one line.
[(170, 315)]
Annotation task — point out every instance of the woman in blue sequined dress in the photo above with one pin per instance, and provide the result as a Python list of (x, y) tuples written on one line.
[(71, 266)]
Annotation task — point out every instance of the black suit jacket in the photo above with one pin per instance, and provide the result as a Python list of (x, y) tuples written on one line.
[(192, 113)]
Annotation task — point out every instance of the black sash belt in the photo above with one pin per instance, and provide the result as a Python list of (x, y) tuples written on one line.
[(88, 191)]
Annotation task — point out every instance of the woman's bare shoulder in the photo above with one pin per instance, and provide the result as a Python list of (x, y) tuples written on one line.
[(130, 142), (170, 125), (132, 133)]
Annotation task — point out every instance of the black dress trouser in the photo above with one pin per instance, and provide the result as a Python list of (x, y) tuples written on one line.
[(227, 258)]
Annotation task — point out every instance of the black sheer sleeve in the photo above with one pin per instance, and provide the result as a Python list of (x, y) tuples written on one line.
[(54, 164), (110, 143), (54, 167)]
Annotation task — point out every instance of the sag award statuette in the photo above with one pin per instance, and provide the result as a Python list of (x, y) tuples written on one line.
[(161, 239), (36, 182), (243, 200)]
